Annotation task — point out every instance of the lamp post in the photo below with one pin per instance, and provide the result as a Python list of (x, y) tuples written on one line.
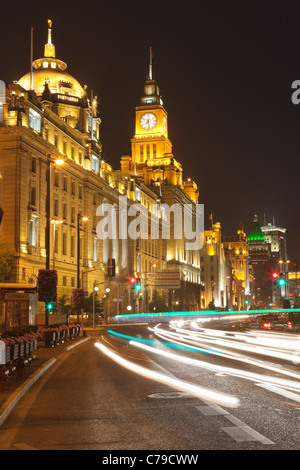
[(79, 219)]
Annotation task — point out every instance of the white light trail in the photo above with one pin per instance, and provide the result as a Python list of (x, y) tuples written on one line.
[(217, 337), (195, 390), (180, 340), (287, 384)]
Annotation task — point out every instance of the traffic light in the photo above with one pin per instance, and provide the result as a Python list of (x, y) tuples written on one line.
[(49, 306), (279, 279), (135, 283)]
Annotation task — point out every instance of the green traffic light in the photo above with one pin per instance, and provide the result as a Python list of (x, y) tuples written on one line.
[(281, 282), (138, 287)]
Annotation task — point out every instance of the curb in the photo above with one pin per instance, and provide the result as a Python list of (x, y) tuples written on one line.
[(11, 402)]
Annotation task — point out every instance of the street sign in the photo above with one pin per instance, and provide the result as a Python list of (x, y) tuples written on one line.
[(167, 279), (2, 352)]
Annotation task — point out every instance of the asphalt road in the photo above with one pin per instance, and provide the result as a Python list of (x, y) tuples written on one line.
[(88, 401)]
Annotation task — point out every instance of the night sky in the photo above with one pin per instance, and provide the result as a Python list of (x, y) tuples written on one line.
[(224, 70)]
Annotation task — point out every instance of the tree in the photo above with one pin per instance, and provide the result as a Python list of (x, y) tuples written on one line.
[(88, 304), (64, 306), (158, 304), (6, 258)]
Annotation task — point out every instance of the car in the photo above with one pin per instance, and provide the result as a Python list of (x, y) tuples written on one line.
[(292, 327)]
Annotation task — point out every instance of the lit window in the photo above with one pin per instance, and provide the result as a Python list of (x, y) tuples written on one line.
[(154, 150), (137, 193), (34, 120), (95, 163), (141, 153), (33, 232)]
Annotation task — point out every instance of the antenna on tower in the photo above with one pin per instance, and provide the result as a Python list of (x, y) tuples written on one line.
[(31, 59), (150, 64)]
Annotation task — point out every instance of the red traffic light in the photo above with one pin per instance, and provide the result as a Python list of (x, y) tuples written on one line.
[(275, 275), (133, 280)]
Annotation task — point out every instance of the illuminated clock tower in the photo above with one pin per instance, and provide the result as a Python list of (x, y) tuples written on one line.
[(151, 149), (152, 164)]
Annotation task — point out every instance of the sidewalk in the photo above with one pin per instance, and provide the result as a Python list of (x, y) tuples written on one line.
[(44, 358)]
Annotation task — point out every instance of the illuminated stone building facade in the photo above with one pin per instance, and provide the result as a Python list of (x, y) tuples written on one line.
[(216, 271), (48, 120), (153, 163), (236, 252), (276, 239), (259, 258)]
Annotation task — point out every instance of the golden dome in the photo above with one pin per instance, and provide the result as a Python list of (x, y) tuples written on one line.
[(58, 81), (52, 71)]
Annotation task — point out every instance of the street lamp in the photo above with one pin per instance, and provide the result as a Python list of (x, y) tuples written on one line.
[(79, 219)]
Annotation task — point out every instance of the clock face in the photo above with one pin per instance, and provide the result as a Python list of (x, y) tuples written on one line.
[(148, 121)]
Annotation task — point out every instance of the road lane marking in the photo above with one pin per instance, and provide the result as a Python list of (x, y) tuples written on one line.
[(240, 432), (210, 411), (244, 434), (280, 391), (170, 395)]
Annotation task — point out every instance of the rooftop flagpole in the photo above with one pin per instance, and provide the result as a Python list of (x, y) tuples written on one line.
[(150, 64), (31, 59)]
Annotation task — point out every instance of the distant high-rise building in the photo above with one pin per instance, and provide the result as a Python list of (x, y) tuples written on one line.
[(276, 238), (259, 258), (236, 250), (215, 271)]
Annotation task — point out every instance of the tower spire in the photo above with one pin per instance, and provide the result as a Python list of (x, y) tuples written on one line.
[(150, 64), (49, 31), (49, 47)]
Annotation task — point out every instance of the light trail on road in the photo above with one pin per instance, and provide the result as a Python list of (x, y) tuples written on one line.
[(195, 390), (182, 342), (270, 347), (184, 336)]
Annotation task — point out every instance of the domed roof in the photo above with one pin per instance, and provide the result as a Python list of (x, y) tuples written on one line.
[(52, 71), (256, 235), (58, 81)]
